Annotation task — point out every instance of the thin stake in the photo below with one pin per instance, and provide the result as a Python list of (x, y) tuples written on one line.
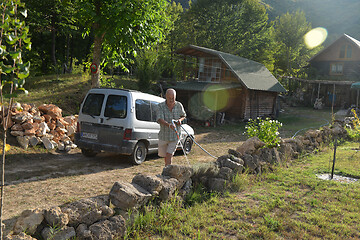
[(333, 166)]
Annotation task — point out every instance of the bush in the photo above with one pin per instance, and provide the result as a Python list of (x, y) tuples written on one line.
[(354, 130), (266, 130)]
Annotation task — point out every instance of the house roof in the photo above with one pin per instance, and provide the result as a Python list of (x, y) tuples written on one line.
[(202, 86), (251, 74), (344, 36)]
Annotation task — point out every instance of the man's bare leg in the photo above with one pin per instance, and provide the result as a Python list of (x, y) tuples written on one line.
[(168, 159)]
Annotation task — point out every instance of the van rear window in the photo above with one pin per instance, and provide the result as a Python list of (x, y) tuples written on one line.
[(116, 106), (92, 104)]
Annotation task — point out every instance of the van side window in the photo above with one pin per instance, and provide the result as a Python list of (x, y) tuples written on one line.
[(145, 110), (142, 109), (154, 106), (116, 106), (92, 105)]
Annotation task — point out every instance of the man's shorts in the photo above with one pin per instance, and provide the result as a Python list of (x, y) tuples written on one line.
[(166, 147)]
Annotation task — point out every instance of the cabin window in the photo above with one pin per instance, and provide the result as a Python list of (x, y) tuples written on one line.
[(336, 69), (345, 51)]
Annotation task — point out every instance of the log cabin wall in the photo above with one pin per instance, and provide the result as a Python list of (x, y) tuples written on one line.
[(259, 104)]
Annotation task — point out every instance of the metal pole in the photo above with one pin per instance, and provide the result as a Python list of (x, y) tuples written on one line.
[(333, 166)]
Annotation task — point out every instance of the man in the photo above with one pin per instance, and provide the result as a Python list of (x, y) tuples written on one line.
[(169, 111)]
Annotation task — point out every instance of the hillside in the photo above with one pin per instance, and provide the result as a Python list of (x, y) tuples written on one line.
[(338, 17)]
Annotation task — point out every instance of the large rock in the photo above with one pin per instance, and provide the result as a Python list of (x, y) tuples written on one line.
[(65, 233), (55, 217), (226, 161), (252, 163), (152, 184), (114, 228), (250, 146), (217, 184), (21, 117), (23, 141), (181, 173), (128, 195), (49, 145), (83, 232), (169, 186), (20, 236), (87, 211), (51, 110), (28, 221)]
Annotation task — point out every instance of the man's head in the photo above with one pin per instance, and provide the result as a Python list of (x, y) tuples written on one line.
[(170, 96)]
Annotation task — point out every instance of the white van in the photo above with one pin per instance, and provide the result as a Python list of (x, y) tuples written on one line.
[(122, 121)]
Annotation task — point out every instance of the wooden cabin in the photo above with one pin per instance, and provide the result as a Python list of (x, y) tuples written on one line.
[(337, 67), (340, 60), (220, 82)]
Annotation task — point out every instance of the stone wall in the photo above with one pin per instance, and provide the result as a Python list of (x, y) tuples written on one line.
[(103, 217)]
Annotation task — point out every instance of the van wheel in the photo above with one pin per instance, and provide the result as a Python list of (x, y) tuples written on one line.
[(188, 145), (139, 154), (88, 152)]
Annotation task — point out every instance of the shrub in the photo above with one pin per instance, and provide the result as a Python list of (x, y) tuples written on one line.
[(266, 130), (354, 130)]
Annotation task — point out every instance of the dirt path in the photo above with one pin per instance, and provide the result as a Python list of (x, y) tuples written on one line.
[(52, 179)]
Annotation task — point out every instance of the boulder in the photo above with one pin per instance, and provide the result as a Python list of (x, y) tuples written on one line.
[(28, 221), (152, 184), (128, 195), (64, 233), (225, 161), (225, 173), (49, 145), (34, 141), (87, 211), (216, 184), (17, 133), (23, 141), (17, 127), (251, 163), (51, 110), (114, 228), (55, 217), (181, 173), (250, 146), (83, 232), (169, 186), (20, 236)]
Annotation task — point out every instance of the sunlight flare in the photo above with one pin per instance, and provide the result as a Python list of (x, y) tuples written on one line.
[(315, 37)]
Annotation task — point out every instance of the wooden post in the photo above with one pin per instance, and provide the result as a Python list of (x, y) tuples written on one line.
[(333, 100), (333, 166), (318, 96), (184, 77), (216, 106), (357, 98)]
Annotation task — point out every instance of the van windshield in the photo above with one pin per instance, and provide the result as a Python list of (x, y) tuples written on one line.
[(92, 105), (116, 106)]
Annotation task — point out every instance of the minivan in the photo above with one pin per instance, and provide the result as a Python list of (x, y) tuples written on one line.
[(122, 121)]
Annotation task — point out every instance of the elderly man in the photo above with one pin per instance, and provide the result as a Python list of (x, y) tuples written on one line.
[(167, 112)]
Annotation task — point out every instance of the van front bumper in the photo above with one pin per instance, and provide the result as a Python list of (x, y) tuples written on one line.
[(125, 147)]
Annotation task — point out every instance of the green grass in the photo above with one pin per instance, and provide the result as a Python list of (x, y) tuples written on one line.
[(289, 203)]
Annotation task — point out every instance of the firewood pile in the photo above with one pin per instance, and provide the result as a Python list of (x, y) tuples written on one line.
[(44, 125)]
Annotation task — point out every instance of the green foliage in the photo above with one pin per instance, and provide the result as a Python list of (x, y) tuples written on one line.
[(147, 70), (354, 130), (236, 27), (121, 27), (266, 130), (289, 32)]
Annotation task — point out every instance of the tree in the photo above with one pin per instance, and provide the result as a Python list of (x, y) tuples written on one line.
[(13, 39), (290, 29), (238, 27), (121, 27), (56, 36)]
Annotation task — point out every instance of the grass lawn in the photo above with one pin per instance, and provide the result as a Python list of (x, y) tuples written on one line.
[(288, 203)]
